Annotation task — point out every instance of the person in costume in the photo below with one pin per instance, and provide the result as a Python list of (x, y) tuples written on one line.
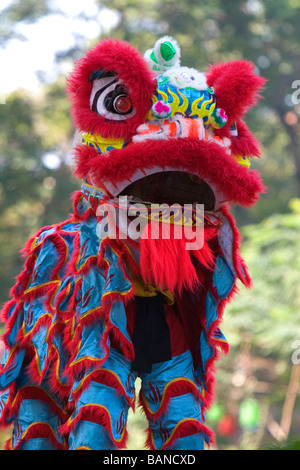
[(94, 309)]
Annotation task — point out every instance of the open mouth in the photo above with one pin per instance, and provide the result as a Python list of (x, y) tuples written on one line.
[(173, 171), (172, 187)]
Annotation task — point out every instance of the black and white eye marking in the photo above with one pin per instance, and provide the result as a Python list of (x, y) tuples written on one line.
[(110, 99)]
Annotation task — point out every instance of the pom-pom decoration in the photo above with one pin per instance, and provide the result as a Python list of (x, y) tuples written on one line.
[(161, 109), (164, 55), (217, 118)]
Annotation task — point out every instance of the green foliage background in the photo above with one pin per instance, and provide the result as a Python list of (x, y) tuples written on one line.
[(262, 325)]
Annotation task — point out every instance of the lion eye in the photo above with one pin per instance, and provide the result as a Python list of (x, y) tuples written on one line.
[(122, 104), (109, 98)]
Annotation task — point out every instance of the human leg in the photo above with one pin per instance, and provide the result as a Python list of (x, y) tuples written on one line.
[(172, 402)]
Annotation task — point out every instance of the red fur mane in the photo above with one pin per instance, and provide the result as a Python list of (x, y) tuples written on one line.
[(125, 61), (236, 87)]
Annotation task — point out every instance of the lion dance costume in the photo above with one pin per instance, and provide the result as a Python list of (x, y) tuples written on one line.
[(91, 312)]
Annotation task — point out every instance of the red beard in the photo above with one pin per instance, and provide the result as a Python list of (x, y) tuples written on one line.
[(167, 264)]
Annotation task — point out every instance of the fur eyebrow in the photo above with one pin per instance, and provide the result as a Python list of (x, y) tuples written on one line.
[(96, 74)]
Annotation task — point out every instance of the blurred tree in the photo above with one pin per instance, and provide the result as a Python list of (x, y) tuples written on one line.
[(18, 11), (35, 177), (271, 309), (262, 324)]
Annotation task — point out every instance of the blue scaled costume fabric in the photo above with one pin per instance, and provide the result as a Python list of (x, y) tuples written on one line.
[(91, 312), (62, 383)]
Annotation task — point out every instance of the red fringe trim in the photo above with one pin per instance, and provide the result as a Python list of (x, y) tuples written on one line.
[(126, 260), (10, 322), (32, 364), (38, 430), (106, 377), (103, 312), (25, 339), (237, 259), (35, 393), (23, 278), (96, 414), (172, 389), (56, 385), (218, 346), (184, 428), (6, 411)]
